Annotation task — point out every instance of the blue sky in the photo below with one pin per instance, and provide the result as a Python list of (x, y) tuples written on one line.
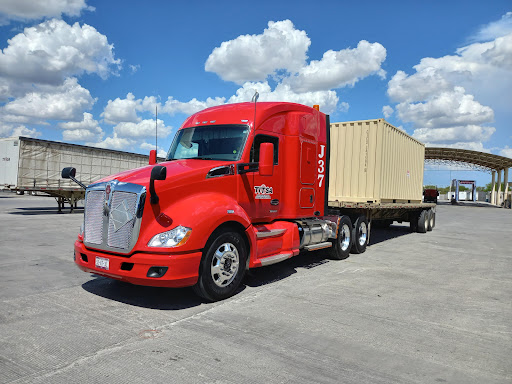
[(91, 72)]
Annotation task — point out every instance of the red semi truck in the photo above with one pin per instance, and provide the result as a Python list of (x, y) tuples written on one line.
[(243, 186)]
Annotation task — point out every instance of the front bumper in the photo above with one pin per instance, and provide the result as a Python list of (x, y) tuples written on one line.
[(182, 269)]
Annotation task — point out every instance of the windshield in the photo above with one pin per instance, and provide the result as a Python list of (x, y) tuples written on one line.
[(214, 142)]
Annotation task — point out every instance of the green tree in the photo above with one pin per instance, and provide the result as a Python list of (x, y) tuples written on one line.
[(488, 187)]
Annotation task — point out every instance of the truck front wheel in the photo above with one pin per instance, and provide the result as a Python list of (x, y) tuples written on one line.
[(222, 267), (360, 235)]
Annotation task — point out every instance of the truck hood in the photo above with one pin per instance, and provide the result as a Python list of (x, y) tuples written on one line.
[(178, 172)]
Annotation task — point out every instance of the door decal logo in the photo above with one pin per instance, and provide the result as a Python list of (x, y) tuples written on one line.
[(263, 192)]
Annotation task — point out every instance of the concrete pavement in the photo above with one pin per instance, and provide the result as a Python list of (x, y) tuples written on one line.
[(415, 308)]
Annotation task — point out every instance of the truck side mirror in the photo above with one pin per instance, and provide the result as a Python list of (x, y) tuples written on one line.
[(158, 172), (152, 157), (68, 172), (266, 164)]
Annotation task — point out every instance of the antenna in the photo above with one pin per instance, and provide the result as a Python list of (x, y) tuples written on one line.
[(156, 130), (254, 100)]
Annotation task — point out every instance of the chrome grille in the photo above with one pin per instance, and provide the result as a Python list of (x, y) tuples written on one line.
[(94, 217), (113, 214), (121, 219)]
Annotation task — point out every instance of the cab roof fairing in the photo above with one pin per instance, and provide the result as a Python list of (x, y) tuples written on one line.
[(243, 113)]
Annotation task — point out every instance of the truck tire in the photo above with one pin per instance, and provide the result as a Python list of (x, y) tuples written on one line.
[(423, 221), (360, 235), (341, 246), (430, 217), (222, 267)]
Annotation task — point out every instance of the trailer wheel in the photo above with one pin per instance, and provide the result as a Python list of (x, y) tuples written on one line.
[(423, 220), (431, 220), (341, 246), (360, 235), (222, 267)]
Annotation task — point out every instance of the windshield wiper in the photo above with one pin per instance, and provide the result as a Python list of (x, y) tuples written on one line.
[(200, 158)]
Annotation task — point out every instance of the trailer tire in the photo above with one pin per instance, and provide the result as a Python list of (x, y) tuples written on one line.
[(360, 235), (222, 267), (343, 242), (431, 220), (423, 220)]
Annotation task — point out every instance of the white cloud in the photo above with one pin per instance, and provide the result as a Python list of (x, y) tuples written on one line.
[(114, 142), (66, 102), (32, 10), (450, 108), (173, 106), (125, 110), (468, 133), (85, 130), (448, 99), (419, 86), (340, 69), (52, 51), (144, 128), (387, 111), (326, 99), (494, 29), (343, 107), (122, 110), (254, 57), (8, 130), (281, 52), (507, 152), (475, 67), (472, 146)]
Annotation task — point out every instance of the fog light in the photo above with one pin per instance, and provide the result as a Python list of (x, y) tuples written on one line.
[(156, 271)]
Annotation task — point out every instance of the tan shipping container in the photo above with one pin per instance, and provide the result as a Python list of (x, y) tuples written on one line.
[(374, 162)]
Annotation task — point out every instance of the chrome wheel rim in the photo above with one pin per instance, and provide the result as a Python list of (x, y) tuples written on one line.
[(345, 237), (225, 264), (363, 233)]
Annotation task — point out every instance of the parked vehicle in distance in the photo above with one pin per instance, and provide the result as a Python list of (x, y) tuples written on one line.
[(248, 185), (430, 195), (34, 166)]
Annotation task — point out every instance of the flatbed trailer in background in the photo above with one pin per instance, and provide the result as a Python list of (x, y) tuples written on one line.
[(34, 166)]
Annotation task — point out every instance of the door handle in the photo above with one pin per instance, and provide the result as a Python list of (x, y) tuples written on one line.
[(274, 202)]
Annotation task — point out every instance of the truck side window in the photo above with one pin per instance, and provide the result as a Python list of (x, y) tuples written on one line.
[(255, 149)]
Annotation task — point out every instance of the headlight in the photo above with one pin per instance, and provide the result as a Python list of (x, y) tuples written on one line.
[(173, 238)]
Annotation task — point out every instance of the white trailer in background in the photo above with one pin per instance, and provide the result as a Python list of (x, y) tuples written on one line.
[(33, 165)]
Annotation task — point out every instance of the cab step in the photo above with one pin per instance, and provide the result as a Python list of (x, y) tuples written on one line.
[(314, 247)]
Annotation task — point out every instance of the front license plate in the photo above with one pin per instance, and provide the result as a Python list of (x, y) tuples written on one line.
[(102, 263)]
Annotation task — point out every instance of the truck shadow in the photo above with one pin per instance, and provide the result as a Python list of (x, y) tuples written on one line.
[(170, 299), (45, 211), (173, 299), (378, 235)]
